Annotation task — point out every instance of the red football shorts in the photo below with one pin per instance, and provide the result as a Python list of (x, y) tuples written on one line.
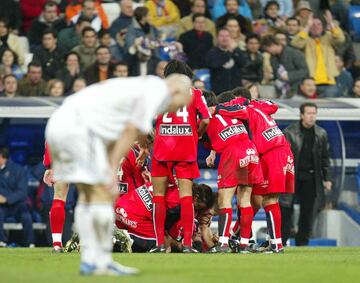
[(278, 169), (182, 169), (239, 165)]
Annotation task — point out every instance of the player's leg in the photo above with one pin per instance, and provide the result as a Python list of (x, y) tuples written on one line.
[(94, 218), (247, 215), (273, 218), (57, 214)]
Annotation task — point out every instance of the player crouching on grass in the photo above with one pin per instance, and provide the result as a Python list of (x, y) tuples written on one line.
[(238, 170), (276, 159)]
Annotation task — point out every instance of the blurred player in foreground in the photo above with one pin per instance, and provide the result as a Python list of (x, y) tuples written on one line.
[(88, 135)]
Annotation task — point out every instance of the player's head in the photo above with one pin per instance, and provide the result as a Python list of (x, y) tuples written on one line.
[(242, 92), (225, 96), (203, 197), (210, 98), (180, 91), (178, 67)]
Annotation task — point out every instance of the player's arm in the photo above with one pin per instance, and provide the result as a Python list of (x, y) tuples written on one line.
[(234, 111), (204, 123), (266, 106), (210, 160), (204, 112), (207, 235)]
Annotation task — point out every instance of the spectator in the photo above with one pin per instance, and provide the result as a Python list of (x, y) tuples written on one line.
[(199, 84), (2, 75), (347, 52), (9, 61), (79, 84), (32, 84), (10, 10), (160, 67), (344, 80), (252, 71), (307, 89), (303, 12), (13, 193), (70, 37), (49, 55), (232, 7), (286, 7), (10, 86), (292, 28), (105, 38), (90, 13), (225, 63), (319, 48), (86, 50), (121, 70), (8, 40), (184, 6), (235, 32), (55, 88), (121, 24), (102, 69), (356, 88), (30, 10), (88, 10), (48, 19), (197, 42), (141, 40), (288, 64), (281, 37), (164, 15), (221, 7), (271, 21), (70, 72), (186, 23), (254, 91), (309, 144)]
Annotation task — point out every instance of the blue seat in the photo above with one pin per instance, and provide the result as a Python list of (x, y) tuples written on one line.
[(354, 21), (203, 75)]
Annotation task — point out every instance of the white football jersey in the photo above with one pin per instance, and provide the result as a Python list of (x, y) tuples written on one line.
[(106, 107)]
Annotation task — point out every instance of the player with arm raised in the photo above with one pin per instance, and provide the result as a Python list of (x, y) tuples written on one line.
[(175, 148), (88, 135), (275, 156)]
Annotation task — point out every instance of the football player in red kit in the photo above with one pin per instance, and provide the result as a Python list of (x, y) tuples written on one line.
[(239, 167), (175, 149), (275, 156)]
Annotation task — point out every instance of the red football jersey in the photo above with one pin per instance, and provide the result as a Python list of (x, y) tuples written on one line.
[(265, 132), (47, 157), (130, 174), (176, 133), (224, 131)]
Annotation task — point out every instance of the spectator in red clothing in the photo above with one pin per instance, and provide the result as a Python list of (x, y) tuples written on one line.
[(30, 10)]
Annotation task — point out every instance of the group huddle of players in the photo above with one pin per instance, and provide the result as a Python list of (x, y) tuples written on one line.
[(162, 209)]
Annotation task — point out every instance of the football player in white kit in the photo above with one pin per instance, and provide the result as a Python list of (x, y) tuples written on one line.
[(88, 135)]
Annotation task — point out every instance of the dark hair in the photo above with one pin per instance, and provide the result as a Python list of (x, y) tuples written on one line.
[(225, 96), (86, 29), (269, 40), (5, 21), (356, 80), (83, 3), (140, 12), (82, 19), (49, 31), (210, 98), (307, 104), (232, 18), (197, 15), (35, 64), (8, 76), (242, 92), (252, 36), (4, 152), (271, 3), (103, 32), (293, 19), (101, 47), (178, 67), (305, 79), (225, 2), (280, 32), (12, 52), (221, 29), (72, 53), (49, 4), (202, 193), (121, 63)]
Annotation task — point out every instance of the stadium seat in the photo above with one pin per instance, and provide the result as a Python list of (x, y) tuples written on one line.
[(203, 75), (354, 21)]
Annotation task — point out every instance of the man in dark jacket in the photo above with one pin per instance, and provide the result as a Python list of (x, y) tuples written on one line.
[(13, 193), (225, 63), (288, 64), (309, 144), (124, 20), (253, 72), (196, 42)]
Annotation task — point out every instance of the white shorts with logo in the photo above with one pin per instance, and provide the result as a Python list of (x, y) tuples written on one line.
[(78, 154)]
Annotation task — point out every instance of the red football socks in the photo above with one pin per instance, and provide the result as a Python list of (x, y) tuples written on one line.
[(159, 215), (225, 218), (246, 218), (187, 218), (57, 220), (273, 218)]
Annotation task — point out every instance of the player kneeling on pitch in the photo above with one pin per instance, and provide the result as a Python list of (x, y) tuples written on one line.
[(88, 135)]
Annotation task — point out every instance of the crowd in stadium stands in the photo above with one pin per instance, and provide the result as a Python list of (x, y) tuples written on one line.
[(290, 49)]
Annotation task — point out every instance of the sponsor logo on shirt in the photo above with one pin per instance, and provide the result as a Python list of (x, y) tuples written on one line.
[(251, 157), (232, 131), (123, 188), (175, 130), (271, 133), (121, 215), (146, 197)]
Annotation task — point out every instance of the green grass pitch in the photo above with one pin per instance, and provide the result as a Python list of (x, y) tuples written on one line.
[(305, 265)]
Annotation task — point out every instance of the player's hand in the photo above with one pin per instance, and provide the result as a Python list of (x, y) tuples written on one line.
[(210, 160), (3, 199), (146, 175), (327, 185), (212, 110), (49, 177)]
